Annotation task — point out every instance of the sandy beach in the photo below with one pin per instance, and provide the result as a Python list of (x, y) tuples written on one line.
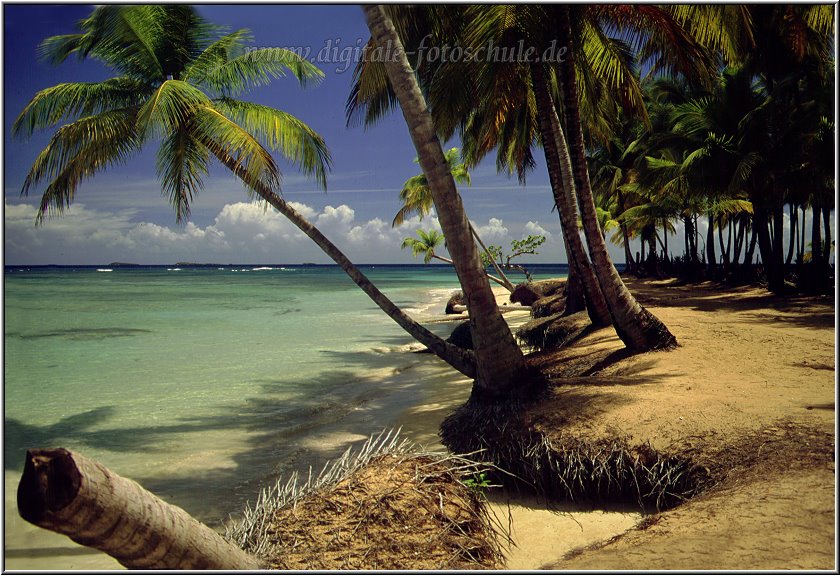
[(749, 394)]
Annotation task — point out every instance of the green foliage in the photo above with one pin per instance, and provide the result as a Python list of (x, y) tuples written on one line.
[(416, 195), (479, 483), (424, 244), (176, 75), (525, 246)]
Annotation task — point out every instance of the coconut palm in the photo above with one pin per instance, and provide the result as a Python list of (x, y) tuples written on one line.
[(499, 361), (427, 242), (417, 199), (425, 245), (788, 49), (177, 82), (485, 123)]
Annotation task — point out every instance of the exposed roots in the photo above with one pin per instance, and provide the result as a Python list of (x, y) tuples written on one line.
[(553, 331), (383, 507), (571, 467)]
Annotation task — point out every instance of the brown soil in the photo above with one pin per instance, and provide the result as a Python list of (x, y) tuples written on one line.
[(397, 512), (749, 395)]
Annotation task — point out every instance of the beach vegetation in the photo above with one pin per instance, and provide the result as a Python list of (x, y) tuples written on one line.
[(521, 247), (734, 152)]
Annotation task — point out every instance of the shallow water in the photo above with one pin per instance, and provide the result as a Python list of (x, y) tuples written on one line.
[(205, 384)]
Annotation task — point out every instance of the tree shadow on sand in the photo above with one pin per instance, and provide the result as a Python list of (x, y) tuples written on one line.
[(752, 303)]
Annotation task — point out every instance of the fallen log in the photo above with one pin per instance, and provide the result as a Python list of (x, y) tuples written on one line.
[(70, 494)]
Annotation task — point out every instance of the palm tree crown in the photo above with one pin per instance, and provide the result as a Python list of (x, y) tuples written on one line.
[(177, 81)]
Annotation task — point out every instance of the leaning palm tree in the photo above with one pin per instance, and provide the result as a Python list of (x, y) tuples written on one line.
[(499, 361), (417, 199), (178, 81), (427, 242)]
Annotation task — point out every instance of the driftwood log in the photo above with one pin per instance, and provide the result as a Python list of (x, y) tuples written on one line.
[(67, 493)]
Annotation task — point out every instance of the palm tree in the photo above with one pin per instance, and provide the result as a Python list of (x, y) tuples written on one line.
[(787, 49), (499, 361), (425, 245), (506, 122), (639, 329), (70, 494), (177, 82), (417, 199)]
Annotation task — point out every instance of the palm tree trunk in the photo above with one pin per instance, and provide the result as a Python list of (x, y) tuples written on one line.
[(794, 218), (826, 214), (461, 359), (504, 280), (575, 300), (67, 493), (766, 242), (739, 240), (801, 255), (562, 186), (500, 365), (711, 258), (696, 229), (639, 329), (628, 255), (749, 256)]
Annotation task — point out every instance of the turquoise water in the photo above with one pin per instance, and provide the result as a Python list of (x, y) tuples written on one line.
[(205, 384)]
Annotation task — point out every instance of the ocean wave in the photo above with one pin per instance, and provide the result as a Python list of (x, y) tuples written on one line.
[(104, 270)]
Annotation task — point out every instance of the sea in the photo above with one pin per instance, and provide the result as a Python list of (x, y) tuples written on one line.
[(207, 383)]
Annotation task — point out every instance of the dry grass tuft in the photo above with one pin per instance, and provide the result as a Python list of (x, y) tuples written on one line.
[(384, 507)]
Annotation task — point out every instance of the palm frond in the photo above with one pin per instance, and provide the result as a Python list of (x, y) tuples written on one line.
[(123, 37), (220, 51), (731, 206), (181, 163), (70, 101), (257, 68), (371, 96), (77, 151), (237, 149), (283, 132), (169, 107), (613, 63)]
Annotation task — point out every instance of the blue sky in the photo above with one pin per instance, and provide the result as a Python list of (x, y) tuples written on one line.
[(120, 215)]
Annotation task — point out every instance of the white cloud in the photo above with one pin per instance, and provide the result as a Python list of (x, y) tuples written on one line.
[(493, 231), (534, 228), (241, 232)]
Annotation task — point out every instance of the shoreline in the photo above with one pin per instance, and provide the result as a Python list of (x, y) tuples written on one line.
[(712, 325)]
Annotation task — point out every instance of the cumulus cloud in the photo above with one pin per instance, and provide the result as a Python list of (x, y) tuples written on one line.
[(534, 228), (493, 231), (241, 232)]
